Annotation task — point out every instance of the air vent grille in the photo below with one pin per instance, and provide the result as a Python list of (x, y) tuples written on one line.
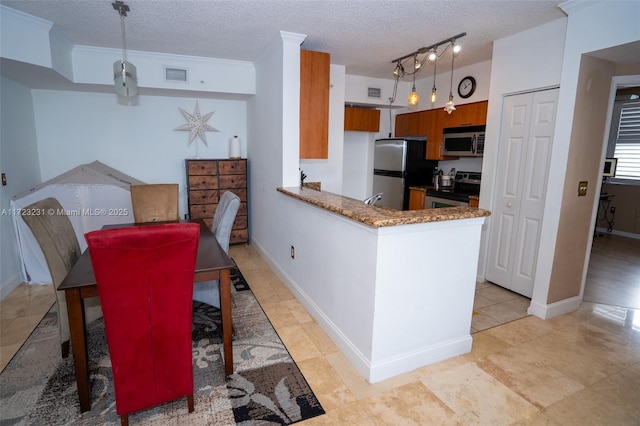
[(374, 92), (175, 74)]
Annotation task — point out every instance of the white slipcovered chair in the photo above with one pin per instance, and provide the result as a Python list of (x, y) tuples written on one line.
[(54, 232), (223, 218)]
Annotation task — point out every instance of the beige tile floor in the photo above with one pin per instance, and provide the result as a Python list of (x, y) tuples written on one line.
[(581, 368)]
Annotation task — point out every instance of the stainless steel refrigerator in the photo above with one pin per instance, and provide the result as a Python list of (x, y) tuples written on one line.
[(399, 163)]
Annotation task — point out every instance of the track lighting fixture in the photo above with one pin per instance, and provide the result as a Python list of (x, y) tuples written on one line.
[(125, 77), (430, 53)]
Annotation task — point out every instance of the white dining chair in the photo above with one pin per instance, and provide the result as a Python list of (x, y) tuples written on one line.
[(223, 218)]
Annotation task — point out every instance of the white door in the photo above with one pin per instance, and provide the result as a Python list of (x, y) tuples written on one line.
[(526, 136)]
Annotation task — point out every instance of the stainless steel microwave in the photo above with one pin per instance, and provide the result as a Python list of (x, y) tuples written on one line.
[(463, 141)]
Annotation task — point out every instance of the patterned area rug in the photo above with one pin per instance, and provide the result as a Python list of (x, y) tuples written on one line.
[(267, 388)]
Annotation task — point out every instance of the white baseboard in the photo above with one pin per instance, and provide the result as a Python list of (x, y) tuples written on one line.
[(9, 285), (425, 356), (620, 233), (554, 309)]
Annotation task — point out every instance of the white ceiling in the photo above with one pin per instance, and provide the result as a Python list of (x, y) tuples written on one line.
[(363, 35)]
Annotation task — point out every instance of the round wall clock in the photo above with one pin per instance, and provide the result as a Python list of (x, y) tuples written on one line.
[(466, 87)]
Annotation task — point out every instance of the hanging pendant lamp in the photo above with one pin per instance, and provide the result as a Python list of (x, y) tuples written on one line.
[(414, 99), (433, 89), (450, 106), (125, 77)]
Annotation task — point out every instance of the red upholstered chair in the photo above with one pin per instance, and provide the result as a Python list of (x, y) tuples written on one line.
[(145, 282)]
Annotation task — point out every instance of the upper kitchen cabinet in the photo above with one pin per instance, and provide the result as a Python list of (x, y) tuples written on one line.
[(314, 104), (411, 124), (361, 119), (431, 123), (473, 114)]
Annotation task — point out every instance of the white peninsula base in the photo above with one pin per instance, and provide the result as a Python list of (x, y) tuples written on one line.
[(392, 298)]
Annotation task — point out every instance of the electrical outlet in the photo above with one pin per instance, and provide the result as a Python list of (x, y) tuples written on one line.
[(582, 188), (613, 210), (293, 252)]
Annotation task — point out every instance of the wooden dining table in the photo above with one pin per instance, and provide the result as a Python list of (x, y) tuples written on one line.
[(212, 263)]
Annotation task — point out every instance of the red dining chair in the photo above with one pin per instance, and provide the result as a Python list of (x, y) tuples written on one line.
[(145, 283)]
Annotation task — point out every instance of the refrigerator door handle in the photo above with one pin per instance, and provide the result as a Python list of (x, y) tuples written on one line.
[(390, 173)]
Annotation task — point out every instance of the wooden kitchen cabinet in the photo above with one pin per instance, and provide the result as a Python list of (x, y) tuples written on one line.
[(314, 104), (431, 123), (207, 180), (416, 198), (410, 124), (361, 119), (473, 114)]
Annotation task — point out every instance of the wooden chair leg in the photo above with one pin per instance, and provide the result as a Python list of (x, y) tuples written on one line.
[(190, 402), (124, 420), (65, 349)]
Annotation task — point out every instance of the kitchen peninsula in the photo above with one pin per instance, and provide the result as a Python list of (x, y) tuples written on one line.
[(393, 289)]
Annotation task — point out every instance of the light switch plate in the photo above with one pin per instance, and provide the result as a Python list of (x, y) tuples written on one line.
[(582, 188)]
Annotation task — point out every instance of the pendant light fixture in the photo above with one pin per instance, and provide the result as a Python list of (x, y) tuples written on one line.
[(433, 89), (414, 99), (450, 106), (125, 77), (415, 61)]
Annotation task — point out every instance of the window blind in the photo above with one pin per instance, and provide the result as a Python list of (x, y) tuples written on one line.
[(627, 149)]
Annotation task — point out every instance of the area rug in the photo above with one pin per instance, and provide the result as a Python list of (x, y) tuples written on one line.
[(267, 388)]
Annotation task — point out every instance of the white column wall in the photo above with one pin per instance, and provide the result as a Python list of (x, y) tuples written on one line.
[(518, 55), (588, 29), (19, 161)]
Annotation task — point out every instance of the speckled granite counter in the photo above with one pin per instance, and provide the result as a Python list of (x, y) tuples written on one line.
[(379, 216)]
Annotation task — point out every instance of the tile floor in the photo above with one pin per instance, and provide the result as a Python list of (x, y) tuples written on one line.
[(576, 369)]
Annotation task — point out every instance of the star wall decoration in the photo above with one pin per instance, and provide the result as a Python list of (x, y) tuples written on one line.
[(197, 125)]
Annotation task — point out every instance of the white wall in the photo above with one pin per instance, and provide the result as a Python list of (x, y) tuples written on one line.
[(588, 30), (356, 90), (274, 149), (76, 127), (516, 67), (19, 160), (480, 71)]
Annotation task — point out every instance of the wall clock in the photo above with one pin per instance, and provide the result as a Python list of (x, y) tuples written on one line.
[(466, 87)]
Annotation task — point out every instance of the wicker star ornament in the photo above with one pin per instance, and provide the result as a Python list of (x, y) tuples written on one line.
[(197, 125)]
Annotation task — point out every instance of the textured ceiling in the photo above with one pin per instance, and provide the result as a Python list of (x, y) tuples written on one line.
[(363, 35)]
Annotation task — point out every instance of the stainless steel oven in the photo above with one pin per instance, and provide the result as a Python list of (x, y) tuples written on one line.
[(432, 202), (464, 185)]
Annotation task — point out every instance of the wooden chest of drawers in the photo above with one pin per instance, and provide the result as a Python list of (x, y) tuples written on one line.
[(207, 180)]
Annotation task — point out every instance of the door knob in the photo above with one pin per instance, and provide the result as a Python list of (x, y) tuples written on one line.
[(509, 204)]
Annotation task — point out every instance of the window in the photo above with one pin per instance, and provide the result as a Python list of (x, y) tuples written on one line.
[(625, 146)]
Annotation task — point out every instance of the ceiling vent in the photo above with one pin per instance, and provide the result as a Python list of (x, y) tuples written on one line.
[(374, 92), (175, 74)]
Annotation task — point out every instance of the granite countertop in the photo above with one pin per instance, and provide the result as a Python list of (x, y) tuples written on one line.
[(378, 216)]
